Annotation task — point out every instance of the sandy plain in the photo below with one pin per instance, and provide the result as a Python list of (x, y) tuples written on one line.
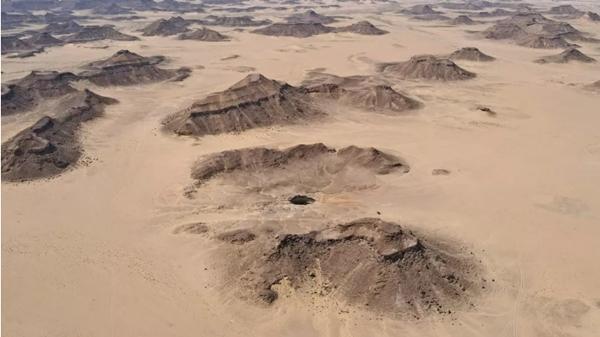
[(91, 252)]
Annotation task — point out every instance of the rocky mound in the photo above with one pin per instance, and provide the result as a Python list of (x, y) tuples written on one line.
[(463, 20), (60, 28), (127, 68), (495, 13), (311, 159), (234, 21), (28, 92), (505, 30), (363, 28), (592, 16), (566, 56), (44, 39), (524, 27), (565, 10), (255, 101), (301, 30), (97, 33), (166, 27), (204, 34), (112, 9), (544, 42), (50, 146), (12, 44), (427, 67), (179, 6), (360, 92), (367, 263), (468, 5), (470, 54), (310, 16), (431, 17), (420, 10)]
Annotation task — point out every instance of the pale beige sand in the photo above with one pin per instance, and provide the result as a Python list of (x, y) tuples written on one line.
[(92, 253)]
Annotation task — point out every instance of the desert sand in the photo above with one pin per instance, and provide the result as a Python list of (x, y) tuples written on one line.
[(484, 188)]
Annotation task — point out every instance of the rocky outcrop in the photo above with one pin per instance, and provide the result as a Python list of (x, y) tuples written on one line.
[(367, 263), (203, 34), (363, 28), (97, 33), (301, 30), (32, 90), (427, 67), (50, 146), (310, 16), (569, 55), (166, 27), (127, 68), (255, 101), (470, 54)]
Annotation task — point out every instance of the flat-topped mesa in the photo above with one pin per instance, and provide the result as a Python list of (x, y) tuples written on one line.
[(11, 44), (60, 28), (367, 263), (50, 146), (301, 30), (27, 93), (592, 16), (179, 6), (299, 156), (166, 27), (363, 28), (463, 20), (112, 9), (420, 10), (310, 16), (127, 68), (255, 101), (545, 42), (203, 34), (360, 93), (470, 54), (565, 10), (528, 28), (97, 33), (495, 13), (234, 21), (44, 39), (427, 67), (569, 55)]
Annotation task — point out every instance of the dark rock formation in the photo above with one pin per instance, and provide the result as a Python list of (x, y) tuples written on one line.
[(310, 16), (33, 89), (420, 10), (363, 28), (297, 157), (167, 27), (301, 30), (97, 33), (569, 55), (427, 67), (204, 34), (50, 146), (470, 54), (233, 21), (127, 68), (368, 263), (255, 101)]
